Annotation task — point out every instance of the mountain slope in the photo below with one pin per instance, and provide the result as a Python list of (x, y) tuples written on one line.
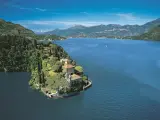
[(153, 34), (8, 28), (14, 29), (111, 30), (19, 51), (151, 24)]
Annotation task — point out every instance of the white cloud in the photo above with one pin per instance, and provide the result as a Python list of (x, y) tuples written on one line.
[(130, 18), (127, 16), (67, 23), (40, 9), (117, 18), (32, 9), (47, 25)]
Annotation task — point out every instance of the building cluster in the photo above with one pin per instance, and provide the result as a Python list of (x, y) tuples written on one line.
[(70, 75)]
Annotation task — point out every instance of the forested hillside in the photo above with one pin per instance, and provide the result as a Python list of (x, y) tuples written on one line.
[(46, 37), (9, 28), (152, 34), (21, 54), (16, 53)]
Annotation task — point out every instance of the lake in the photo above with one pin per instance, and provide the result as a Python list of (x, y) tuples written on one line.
[(126, 85)]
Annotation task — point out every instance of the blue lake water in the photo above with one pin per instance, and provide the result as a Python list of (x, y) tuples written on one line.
[(126, 85)]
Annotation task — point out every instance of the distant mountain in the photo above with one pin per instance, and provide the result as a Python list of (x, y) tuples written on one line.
[(78, 27), (111, 30), (153, 34)]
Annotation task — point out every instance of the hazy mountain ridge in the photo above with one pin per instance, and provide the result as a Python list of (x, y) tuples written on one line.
[(113, 30)]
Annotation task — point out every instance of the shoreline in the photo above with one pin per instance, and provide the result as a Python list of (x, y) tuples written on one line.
[(57, 75), (66, 95)]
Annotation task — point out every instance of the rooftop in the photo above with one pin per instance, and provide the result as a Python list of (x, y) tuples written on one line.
[(75, 77)]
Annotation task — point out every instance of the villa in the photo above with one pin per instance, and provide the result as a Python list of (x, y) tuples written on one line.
[(70, 75), (75, 78), (67, 68)]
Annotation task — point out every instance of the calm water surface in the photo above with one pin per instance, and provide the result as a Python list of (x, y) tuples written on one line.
[(126, 85)]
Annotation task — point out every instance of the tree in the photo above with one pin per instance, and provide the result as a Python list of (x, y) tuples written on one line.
[(73, 63), (57, 68), (58, 63), (84, 77), (79, 69)]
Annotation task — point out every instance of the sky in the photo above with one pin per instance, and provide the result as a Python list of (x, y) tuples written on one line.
[(46, 15)]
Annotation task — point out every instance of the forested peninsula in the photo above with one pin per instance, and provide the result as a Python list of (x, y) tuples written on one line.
[(52, 70)]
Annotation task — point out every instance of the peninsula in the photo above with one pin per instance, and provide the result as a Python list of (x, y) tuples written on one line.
[(52, 70), (57, 75)]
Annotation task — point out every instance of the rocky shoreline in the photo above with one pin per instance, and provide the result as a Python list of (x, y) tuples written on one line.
[(66, 95)]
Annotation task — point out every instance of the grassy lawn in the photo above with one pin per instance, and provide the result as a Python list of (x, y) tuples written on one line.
[(51, 73), (55, 80)]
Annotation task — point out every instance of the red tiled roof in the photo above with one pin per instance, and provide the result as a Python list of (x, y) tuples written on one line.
[(75, 77)]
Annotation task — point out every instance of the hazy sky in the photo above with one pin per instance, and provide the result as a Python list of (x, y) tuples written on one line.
[(43, 15)]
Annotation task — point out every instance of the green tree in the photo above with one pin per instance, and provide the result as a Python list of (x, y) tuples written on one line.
[(57, 68), (79, 69)]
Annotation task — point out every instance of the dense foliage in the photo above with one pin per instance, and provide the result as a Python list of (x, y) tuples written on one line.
[(17, 53), (18, 47), (51, 37), (49, 66)]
